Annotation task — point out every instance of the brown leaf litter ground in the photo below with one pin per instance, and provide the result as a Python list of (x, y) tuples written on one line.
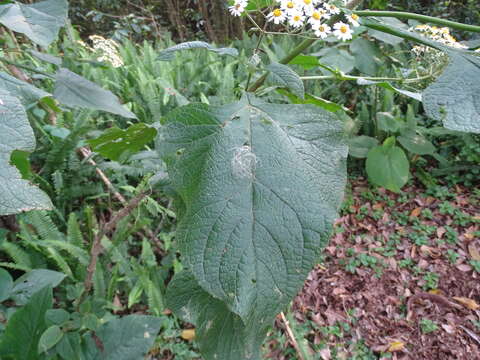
[(400, 280)]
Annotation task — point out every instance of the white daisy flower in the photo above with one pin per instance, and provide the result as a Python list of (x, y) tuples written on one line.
[(296, 19), (332, 9), (307, 6), (238, 7), (289, 6), (315, 18), (353, 19), (322, 31), (342, 31), (277, 16)]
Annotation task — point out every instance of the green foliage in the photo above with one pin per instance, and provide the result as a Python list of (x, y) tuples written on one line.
[(235, 223)]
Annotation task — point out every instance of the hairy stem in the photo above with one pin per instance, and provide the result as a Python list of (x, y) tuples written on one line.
[(422, 18)]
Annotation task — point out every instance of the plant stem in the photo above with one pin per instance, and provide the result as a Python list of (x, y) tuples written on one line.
[(305, 44), (422, 18), (28, 68), (343, 77)]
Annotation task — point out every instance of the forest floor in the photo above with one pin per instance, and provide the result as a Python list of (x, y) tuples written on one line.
[(400, 279)]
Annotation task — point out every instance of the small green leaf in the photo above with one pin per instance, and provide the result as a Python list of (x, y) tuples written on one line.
[(16, 195), (76, 91), (388, 166), (366, 55), (416, 144), (21, 161), (49, 338), (359, 146), (28, 284), (306, 61), (168, 54), (259, 4), (56, 317), (69, 346), (283, 76), (116, 143), (6, 284), (314, 100), (24, 328), (387, 122), (40, 21)]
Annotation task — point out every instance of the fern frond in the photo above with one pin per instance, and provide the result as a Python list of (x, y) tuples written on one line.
[(74, 234), (20, 257)]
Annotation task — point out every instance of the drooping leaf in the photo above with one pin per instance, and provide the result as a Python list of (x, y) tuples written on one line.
[(25, 327), (359, 146), (314, 100), (40, 21), (25, 92), (28, 284), (16, 194), (283, 76), (454, 97), (128, 338), (115, 142), (168, 54), (49, 338), (259, 185), (6, 284), (76, 91), (389, 86), (388, 166)]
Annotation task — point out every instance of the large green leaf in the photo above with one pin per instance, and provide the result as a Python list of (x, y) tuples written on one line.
[(259, 186), (28, 284), (16, 194), (128, 338), (366, 54), (25, 327), (455, 97), (6, 284), (26, 92), (40, 22), (76, 91)]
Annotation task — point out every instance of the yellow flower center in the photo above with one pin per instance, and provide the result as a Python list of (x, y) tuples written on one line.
[(290, 5), (354, 17), (277, 12), (321, 28), (343, 29), (296, 18), (307, 2), (238, 6), (316, 15)]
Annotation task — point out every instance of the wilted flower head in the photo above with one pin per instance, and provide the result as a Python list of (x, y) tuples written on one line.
[(107, 49)]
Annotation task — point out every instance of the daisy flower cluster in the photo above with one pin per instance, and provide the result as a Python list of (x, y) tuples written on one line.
[(306, 15)]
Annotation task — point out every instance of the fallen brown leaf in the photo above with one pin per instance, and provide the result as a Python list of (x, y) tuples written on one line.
[(188, 334), (469, 303)]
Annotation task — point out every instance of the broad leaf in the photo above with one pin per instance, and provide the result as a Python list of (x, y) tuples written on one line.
[(49, 338), (168, 54), (28, 284), (306, 61), (258, 185), (366, 55), (76, 91), (16, 194), (281, 75), (388, 166), (40, 21), (6, 284), (337, 59), (454, 97), (25, 327), (314, 100), (128, 338), (54, 60), (388, 38), (359, 146), (115, 142), (24, 91), (416, 144)]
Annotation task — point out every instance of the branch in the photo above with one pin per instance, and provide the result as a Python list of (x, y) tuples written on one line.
[(422, 18), (305, 44)]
